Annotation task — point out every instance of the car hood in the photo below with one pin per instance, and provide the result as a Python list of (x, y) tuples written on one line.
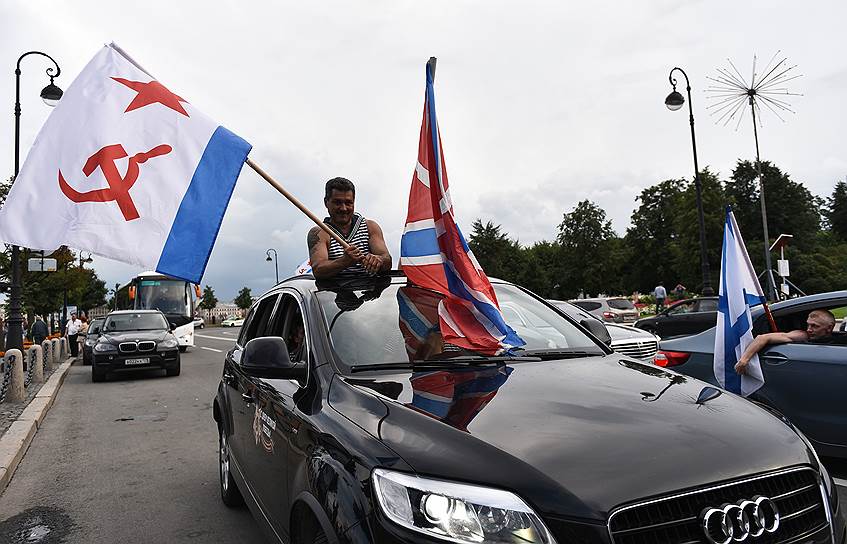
[(134, 336), (623, 332), (574, 437)]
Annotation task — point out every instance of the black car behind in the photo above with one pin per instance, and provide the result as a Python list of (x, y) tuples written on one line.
[(91, 339), (132, 340), (682, 318), (344, 417)]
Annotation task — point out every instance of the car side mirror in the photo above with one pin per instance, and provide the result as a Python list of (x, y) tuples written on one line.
[(267, 357), (598, 329), (172, 326)]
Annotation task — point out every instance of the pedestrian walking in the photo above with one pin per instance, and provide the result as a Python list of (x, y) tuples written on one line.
[(661, 294), (72, 332), (83, 332), (39, 331)]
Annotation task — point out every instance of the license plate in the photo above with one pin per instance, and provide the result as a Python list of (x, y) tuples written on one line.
[(144, 361)]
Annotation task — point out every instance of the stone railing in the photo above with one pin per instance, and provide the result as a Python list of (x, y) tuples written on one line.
[(21, 370)]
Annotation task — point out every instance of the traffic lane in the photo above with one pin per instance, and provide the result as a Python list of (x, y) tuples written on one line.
[(217, 340), (130, 460)]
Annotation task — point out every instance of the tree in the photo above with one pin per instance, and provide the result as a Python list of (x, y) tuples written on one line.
[(584, 234), (836, 213), (244, 298), (791, 208), (652, 235), (209, 300), (498, 255)]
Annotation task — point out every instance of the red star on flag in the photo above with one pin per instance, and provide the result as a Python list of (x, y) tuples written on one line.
[(152, 92)]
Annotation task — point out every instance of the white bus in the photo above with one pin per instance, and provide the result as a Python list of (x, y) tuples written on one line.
[(173, 297)]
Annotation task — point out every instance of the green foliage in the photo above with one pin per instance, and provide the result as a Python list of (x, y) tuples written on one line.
[(836, 213), (663, 242), (209, 299), (244, 298)]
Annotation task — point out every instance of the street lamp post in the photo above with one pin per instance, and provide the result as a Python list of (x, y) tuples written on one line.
[(674, 101), (51, 95), (276, 262)]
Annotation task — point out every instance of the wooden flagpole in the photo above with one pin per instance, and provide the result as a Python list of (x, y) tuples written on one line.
[(297, 203)]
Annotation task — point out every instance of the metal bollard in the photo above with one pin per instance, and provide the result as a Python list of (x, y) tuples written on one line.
[(64, 351), (34, 360), (16, 391)]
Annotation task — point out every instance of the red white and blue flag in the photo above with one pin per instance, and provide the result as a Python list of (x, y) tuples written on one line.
[(435, 255)]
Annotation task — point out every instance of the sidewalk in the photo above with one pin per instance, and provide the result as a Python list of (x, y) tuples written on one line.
[(20, 421)]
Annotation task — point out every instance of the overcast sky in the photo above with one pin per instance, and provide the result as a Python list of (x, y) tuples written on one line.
[(540, 104)]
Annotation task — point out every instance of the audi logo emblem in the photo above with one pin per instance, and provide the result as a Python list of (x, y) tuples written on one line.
[(740, 521)]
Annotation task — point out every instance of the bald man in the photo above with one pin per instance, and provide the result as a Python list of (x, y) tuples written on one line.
[(819, 327)]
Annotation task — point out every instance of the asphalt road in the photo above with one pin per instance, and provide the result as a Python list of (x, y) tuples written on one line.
[(130, 460), (135, 460)]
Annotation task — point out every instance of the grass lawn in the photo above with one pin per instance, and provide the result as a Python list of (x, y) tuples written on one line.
[(840, 313)]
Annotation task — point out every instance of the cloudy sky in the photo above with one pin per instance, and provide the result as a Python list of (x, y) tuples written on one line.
[(541, 104)]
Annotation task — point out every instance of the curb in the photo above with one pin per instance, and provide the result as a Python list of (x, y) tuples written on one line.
[(16, 440)]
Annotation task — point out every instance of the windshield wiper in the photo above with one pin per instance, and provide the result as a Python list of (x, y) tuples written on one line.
[(460, 361), (546, 354)]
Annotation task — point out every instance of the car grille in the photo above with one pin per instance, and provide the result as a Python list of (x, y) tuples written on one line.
[(638, 349), (128, 347), (146, 345), (676, 519)]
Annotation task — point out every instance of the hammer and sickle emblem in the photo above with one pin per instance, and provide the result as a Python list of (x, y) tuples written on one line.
[(118, 186)]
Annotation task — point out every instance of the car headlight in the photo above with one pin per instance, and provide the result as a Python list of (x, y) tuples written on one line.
[(168, 343), (91, 342), (458, 512), (104, 347)]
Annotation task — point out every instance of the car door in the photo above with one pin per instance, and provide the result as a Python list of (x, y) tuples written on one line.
[(242, 390), (676, 320), (276, 426), (807, 383)]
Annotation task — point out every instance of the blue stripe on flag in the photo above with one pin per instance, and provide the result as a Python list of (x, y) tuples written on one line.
[(418, 243), (412, 320), (201, 212)]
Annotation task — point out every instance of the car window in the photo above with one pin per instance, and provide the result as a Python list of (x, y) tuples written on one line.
[(401, 324), (586, 305), (708, 305), (574, 312), (288, 324), (621, 304), (511, 315), (260, 315), (681, 308), (135, 322)]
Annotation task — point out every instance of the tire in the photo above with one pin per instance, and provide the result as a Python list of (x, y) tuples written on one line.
[(230, 495), (183, 349), (172, 371), (97, 376)]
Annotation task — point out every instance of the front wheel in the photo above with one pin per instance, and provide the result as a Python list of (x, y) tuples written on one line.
[(183, 349), (172, 371), (97, 376), (230, 495)]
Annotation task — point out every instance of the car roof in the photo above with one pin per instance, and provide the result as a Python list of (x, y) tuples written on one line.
[(798, 301)]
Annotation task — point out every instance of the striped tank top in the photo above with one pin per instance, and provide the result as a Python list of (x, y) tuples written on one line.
[(359, 237)]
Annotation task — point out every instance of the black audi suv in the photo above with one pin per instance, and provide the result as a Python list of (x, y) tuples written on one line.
[(132, 340), (344, 416)]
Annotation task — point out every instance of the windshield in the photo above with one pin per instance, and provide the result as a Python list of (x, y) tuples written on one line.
[(400, 324), (135, 322), (167, 296), (621, 304)]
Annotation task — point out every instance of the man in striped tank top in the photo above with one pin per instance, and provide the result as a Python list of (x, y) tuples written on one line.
[(367, 253)]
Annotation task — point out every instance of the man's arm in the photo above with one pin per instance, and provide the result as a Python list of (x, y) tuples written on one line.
[(379, 258), (322, 266), (763, 340)]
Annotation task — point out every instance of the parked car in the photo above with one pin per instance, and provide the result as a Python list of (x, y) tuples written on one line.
[(636, 343), (133, 340), (609, 309), (805, 381), (685, 317), (199, 322), (233, 321), (377, 432), (91, 339)]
